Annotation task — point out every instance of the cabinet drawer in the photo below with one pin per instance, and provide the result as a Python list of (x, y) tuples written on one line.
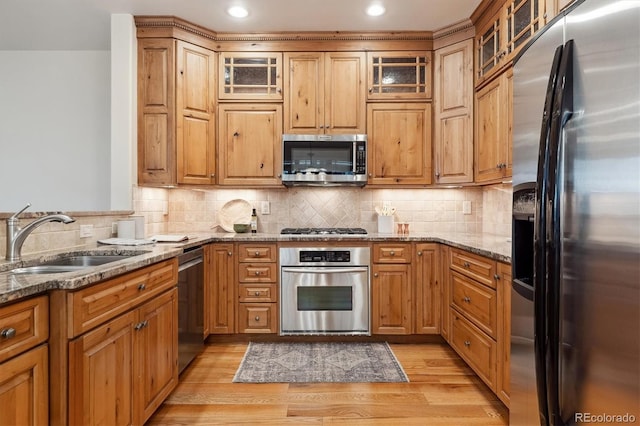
[(258, 293), (257, 318), (99, 303), (392, 253), (475, 347), (257, 252), (477, 302), (23, 325), (474, 266), (257, 273)]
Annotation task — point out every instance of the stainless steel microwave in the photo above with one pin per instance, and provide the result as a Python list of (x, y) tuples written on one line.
[(324, 160)]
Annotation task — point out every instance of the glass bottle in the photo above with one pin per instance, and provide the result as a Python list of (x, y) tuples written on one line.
[(254, 221)]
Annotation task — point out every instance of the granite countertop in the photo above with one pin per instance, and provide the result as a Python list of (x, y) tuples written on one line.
[(14, 286)]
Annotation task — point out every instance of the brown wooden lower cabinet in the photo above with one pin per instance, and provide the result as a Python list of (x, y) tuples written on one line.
[(475, 347), (478, 292), (24, 388), (114, 363), (220, 275), (24, 365), (427, 288), (122, 371)]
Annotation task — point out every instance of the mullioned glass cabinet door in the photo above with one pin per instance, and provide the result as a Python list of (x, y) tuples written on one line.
[(250, 76), (399, 75)]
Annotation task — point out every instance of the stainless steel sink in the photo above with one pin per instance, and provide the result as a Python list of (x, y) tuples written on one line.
[(45, 269), (71, 263)]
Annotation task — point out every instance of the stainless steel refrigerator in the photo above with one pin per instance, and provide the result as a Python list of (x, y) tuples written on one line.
[(575, 339)]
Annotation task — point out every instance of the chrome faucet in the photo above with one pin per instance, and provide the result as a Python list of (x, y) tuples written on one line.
[(17, 235)]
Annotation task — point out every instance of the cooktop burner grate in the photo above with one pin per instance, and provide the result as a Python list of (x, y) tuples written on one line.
[(323, 231)]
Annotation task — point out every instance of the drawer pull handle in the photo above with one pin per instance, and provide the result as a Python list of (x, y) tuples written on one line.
[(142, 287), (257, 318), (467, 299), (466, 264), (141, 325), (8, 333), (467, 343), (257, 253), (392, 253), (257, 272), (257, 293)]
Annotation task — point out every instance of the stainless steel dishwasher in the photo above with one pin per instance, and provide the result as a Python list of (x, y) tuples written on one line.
[(190, 306)]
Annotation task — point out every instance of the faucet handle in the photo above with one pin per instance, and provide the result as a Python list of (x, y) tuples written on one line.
[(15, 216)]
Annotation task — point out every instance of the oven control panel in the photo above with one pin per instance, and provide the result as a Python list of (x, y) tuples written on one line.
[(325, 256)]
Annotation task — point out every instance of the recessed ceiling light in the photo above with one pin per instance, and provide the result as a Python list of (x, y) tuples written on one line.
[(375, 10), (238, 12)]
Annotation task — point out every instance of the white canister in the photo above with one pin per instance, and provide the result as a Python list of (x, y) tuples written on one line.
[(139, 220), (126, 228), (385, 224)]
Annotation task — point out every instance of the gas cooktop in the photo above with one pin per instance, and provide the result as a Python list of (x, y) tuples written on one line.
[(323, 231)]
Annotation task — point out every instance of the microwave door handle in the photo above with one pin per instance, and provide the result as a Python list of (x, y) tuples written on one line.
[(320, 270)]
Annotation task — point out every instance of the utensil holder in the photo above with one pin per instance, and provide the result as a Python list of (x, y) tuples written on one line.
[(385, 224)]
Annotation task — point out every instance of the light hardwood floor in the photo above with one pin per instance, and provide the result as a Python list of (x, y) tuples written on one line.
[(442, 391)]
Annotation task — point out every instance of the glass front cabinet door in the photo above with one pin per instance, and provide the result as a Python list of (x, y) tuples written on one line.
[(250, 76), (399, 75)]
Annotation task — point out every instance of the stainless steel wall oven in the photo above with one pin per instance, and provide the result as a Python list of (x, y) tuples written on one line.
[(324, 291)]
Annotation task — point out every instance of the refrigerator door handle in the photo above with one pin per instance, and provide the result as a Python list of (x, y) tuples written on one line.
[(539, 249), (562, 111)]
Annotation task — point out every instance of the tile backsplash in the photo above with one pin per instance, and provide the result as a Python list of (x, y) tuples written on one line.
[(195, 210), (426, 210)]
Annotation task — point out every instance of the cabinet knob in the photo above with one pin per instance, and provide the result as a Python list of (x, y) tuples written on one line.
[(467, 343), (142, 287), (257, 272), (466, 264), (370, 174), (257, 318), (236, 134), (419, 253), (257, 293), (467, 299), (392, 253), (229, 253), (279, 90), (8, 333), (213, 175), (257, 253), (496, 277), (375, 275), (437, 175)]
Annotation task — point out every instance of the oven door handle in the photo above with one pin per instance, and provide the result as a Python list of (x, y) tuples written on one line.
[(320, 270)]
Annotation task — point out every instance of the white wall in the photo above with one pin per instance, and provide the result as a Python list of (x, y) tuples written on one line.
[(68, 127), (54, 130)]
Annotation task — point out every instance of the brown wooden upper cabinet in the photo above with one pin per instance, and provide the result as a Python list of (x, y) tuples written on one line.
[(249, 146), (399, 143), (325, 92), (453, 115), (493, 117), (501, 34), (399, 75), (176, 112), (253, 76)]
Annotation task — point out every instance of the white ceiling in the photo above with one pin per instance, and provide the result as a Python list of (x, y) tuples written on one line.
[(85, 24)]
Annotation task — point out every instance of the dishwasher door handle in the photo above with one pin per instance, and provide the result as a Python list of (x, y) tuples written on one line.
[(324, 270), (189, 264)]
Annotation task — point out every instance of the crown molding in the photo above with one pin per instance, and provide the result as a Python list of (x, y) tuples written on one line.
[(174, 23)]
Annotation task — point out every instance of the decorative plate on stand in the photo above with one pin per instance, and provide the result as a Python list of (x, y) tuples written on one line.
[(234, 211)]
